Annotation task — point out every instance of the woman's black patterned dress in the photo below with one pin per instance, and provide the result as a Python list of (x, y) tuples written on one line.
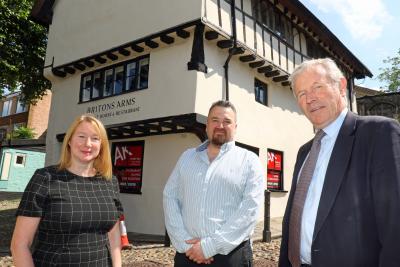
[(76, 214)]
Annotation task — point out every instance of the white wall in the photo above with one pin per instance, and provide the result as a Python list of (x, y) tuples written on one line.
[(280, 126), (144, 213), (170, 92), (82, 28)]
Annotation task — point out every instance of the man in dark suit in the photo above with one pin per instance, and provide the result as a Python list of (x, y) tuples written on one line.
[(350, 212)]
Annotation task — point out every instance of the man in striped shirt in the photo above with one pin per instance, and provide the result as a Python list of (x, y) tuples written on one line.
[(213, 197)]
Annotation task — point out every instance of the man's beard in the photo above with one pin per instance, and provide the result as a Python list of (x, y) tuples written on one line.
[(219, 140)]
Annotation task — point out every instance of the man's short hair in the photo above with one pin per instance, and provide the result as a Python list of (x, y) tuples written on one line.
[(333, 73), (224, 104)]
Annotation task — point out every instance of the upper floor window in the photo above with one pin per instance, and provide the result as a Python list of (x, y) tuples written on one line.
[(261, 92), (314, 50), (21, 107), (114, 80), (267, 14), (6, 108)]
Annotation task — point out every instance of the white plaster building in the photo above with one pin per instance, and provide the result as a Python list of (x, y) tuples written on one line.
[(150, 70)]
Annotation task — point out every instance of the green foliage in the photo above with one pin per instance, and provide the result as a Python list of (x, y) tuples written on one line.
[(391, 74), (22, 50), (23, 133)]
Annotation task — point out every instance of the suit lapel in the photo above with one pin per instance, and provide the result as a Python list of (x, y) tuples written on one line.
[(336, 170)]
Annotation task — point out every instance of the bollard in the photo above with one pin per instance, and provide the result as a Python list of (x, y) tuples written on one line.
[(167, 240), (267, 217)]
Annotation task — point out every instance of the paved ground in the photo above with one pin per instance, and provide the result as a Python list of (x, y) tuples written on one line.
[(142, 254)]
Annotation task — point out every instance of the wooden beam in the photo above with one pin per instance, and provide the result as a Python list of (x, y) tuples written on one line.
[(225, 44), (236, 50), (183, 33), (137, 48), (112, 56), (151, 44), (256, 64), (272, 73), (79, 66), (248, 58), (167, 39), (280, 78), (211, 35), (69, 70), (58, 73), (265, 69), (124, 51), (100, 59), (89, 63)]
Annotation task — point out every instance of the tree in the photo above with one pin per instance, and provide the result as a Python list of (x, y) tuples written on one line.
[(23, 133), (391, 74), (22, 51)]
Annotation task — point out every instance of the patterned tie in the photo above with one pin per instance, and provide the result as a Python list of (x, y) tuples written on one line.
[(299, 199)]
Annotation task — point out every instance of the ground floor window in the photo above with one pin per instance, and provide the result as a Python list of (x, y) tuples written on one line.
[(127, 160), (20, 160)]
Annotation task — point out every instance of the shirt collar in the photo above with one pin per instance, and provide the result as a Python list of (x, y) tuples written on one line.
[(225, 147), (332, 130)]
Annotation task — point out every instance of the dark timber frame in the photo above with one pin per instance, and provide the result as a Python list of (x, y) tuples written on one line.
[(187, 123)]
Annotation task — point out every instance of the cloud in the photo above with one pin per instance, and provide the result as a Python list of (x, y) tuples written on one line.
[(365, 19)]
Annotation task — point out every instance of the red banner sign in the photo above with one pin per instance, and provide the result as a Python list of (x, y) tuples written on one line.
[(128, 165)]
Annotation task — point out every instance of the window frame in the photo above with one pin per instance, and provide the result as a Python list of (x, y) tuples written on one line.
[(23, 107), (102, 73), (9, 108), (257, 84), (17, 155)]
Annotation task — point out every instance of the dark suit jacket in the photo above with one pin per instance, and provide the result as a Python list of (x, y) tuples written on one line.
[(358, 218)]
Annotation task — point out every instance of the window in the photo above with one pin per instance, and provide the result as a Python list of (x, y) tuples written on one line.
[(115, 80), (20, 160), (87, 84), (118, 80), (268, 15), (6, 108), (143, 75), (97, 85), (275, 170), (260, 92), (21, 107)]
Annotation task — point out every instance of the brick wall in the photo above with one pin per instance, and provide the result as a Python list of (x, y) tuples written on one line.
[(39, 115)]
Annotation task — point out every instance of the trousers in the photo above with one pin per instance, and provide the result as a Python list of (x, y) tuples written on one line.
[(241, 256)]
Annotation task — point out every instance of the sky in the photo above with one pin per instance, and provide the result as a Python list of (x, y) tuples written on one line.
[(370, 29)]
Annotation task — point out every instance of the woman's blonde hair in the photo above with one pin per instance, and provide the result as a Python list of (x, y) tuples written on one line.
[(102, 163)]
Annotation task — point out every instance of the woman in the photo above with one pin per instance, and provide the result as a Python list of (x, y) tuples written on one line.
[(73, 206)]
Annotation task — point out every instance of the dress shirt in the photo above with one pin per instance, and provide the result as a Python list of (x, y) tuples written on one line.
[(218, 202), (317, 182)]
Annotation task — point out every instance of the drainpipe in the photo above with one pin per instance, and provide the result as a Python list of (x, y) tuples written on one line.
[(351, 84), (231, 50)]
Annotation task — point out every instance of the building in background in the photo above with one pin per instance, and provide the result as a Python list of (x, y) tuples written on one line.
[(149, 70), (19, 163), (384, 104), (15, 114), (20, 158), (360, 91)]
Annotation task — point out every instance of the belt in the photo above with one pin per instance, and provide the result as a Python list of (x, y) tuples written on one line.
[(305, 265)]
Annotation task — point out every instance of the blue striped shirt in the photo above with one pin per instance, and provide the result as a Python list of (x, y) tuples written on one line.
[(218, 202)]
